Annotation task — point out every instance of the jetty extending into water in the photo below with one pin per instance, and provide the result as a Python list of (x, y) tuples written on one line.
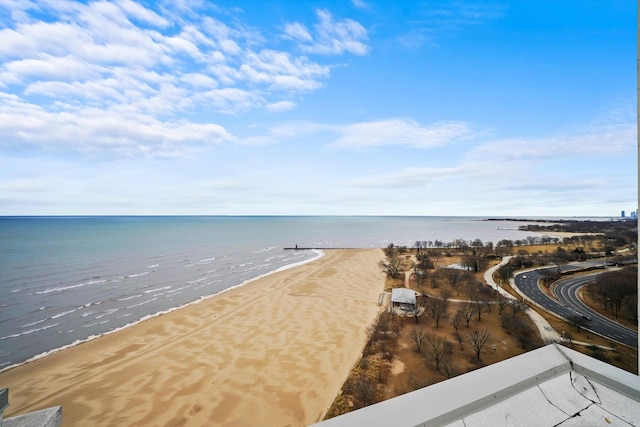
[(296, 248)]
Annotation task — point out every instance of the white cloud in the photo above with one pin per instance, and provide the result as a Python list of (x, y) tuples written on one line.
[(412, 177), (563, 186), (597, 139), (360, 4), (113, 62), (24, 185), (230, 100), (182, 43), (136, 11), (284, 132), (415, 39), (225, 185), (330, 37), (33, 39), (402, 132), (99, 131), (184, 6), (230, 47), (298, 31), (199, 80), (92, 90), (215, 28), (392, 132), (18, 10), (442, 19), (281, 106), (454, 15), (64, 68), (279, 70), (335, 37)]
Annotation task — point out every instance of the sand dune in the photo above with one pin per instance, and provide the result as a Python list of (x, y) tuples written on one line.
[(271, 353)]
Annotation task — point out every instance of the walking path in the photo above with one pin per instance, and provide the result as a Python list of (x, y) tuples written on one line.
[(548, 334)]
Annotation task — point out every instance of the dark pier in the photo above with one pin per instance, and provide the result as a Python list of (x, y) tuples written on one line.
[(296, 248)]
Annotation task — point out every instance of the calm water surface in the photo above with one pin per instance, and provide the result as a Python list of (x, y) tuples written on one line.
[(66, 279)]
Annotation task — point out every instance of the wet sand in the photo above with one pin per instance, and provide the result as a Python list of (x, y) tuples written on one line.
[(271, 353)]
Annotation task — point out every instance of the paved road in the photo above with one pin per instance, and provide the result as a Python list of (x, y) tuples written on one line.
[(567, 292), (570, 305)]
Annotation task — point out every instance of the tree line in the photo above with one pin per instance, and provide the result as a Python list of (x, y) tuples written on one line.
[(618, 292)]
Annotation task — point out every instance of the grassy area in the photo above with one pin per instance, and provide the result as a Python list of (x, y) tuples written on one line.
[(392, 365), (405, 353), (596, 303), (413, 369)]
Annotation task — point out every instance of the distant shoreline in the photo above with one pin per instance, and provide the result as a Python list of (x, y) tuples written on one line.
[(549, 220)]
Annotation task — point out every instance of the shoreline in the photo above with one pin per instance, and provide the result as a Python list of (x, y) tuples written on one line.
[(319, 254), (252, 354), (569, 234)]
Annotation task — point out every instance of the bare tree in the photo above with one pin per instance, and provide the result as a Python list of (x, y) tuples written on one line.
[(364, 389), (391, 266), (448, 367), (384, 323), (453, 277), (419, 275), (517, 306), (433, 280), (415, 312), (419, 378), (467, 311), (460, 339), (441, 310), (480, 308), (446, 296), (502, 303), (396, 323), (372, 334), (418, 337), (479, 339), (505, 272), (472, 289), (390, 250), (487, 303), (455, 321), (438, 309), (436, 349)]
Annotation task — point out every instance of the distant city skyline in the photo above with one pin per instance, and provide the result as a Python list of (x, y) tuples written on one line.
[(361, 107)]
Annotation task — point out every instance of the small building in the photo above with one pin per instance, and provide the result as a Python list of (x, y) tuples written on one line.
[(403, 298)]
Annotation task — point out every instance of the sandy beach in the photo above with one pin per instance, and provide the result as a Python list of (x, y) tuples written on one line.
[(271, 353)]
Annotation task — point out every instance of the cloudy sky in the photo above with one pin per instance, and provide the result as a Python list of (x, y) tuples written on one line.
[(345, 107)]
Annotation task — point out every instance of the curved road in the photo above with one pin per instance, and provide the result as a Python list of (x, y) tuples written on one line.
[(567, 293), (569, 304)]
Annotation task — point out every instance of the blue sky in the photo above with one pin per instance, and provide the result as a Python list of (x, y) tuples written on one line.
[(324, 107)]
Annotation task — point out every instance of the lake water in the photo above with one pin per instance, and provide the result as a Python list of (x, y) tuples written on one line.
[(64, 280)]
